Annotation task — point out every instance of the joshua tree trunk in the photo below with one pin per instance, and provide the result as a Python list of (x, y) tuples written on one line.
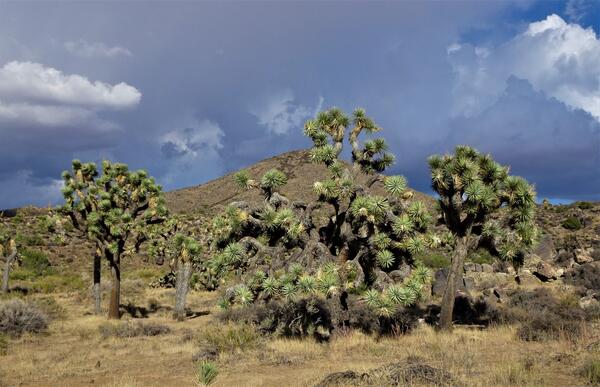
[(9, 260), (97, 290), (454, 276), (182, 283), (115, 292)]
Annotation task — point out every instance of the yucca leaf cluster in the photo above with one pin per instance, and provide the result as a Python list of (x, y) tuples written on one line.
[(479, 197), (113, 206), (386, 302)]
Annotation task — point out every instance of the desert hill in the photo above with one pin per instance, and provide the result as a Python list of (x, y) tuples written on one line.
[(212, 196), (539, 339)]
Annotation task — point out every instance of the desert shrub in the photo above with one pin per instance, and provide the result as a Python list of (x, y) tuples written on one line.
[(50, 307), (590, 371), (18, 317), (592, 312), (29, 240), (435, 260), (130, 329), (543, 326), (584, 205), (303, 317), (561, 208), (482, 256), (231, 337), (586, 276), (317, 318), (58, 283), (3, 344), (543, 316), (145, 274), (572, 223), (35, 261), (207, 373)]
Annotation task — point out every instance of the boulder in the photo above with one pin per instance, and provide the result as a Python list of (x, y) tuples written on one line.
[(401, 273), (487, 268), (382, 280), (588, 302), (565, 259), (545, 272), (526, 278), (440, 278), (469, 284), (545, 248), (583, 256)]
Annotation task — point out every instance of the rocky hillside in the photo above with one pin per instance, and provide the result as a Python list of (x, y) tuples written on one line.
[(210, 197), (569, 251)]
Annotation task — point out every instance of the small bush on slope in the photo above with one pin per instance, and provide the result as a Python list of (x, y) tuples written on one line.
[(128, 329), (18, 317)]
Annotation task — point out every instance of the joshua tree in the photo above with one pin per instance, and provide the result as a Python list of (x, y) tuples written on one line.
[(481, 205), (111, 210), (183, 251), (367, 235), (8, 251)]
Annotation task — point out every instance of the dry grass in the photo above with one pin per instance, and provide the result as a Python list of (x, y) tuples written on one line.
[(73, 353)]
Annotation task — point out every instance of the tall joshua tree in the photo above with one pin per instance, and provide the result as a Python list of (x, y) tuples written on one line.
[(481, 205), (8, 251), (367, 234), (171, 241), (111, 210)]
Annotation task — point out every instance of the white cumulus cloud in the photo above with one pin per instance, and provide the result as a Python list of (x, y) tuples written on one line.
[(86, 49), (279, 114), (34, 94), (36, 82), (559, 58)]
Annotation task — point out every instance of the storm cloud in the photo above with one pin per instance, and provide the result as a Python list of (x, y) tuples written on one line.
[(190, 91)]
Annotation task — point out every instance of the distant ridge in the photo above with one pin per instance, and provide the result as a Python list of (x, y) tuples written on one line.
[(212, 196)]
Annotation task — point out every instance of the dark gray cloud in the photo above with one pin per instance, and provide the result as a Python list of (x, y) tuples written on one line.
[(224, 85)]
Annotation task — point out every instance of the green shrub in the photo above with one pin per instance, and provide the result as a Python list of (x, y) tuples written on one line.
[(230, 337), (482, 256), (29, 240), (58, 283), (207, 373), (559, 209), (572, 223), (35, 261), (145, 274), (435, 260), (584, 205), (129, 329), (591, 371), (21, 274)]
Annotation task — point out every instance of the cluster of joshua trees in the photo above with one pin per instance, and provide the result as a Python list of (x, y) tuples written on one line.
[(363, 233)]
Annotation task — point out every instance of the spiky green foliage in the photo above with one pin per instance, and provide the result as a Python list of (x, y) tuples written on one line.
[(385, 303), (272, 180), (112, 209), (207, 373), (368, 235), (478, 198)]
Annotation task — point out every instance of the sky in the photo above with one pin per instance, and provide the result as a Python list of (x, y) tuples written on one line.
[(192, 90)]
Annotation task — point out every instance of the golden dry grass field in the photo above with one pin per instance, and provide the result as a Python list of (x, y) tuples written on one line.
[(74, 352)]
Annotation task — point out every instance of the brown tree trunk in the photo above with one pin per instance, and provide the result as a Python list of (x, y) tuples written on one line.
[(97, 289), (115, 292), (454, 276), (6, 274), (182, 284)]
